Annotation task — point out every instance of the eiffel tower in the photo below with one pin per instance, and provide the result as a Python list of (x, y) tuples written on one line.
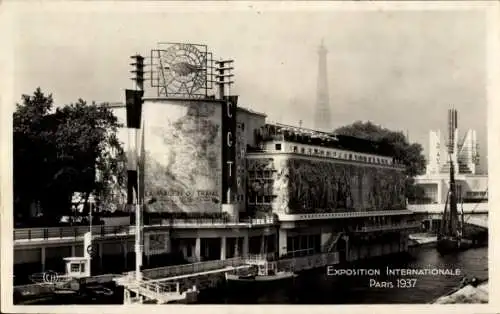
[(322, 118)]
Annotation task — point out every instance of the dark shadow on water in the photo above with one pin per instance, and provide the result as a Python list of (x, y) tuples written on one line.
[(316, 287)]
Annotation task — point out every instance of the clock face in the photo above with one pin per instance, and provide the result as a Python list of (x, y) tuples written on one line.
[(184, 69)]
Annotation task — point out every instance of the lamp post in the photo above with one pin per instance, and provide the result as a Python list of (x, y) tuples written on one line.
[(138, 246)]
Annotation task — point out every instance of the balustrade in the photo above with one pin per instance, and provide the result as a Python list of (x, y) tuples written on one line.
[(102, 230), (179, 270)]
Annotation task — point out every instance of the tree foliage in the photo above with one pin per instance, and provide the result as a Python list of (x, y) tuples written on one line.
[(62, 151), (410, 154)]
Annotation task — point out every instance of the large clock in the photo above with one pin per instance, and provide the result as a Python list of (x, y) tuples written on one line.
[(184, 69)]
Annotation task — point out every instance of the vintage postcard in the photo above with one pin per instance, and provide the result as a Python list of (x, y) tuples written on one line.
[(249, 153)]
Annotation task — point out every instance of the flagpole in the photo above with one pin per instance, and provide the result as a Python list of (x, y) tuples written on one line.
[(138, 234), (138, 200)]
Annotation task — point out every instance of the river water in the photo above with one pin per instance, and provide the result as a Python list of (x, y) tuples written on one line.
[(317, 287)]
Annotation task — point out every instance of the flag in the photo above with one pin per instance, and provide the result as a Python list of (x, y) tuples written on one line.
[(134, 109)]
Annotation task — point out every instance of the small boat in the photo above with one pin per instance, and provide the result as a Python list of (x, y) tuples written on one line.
[(260, 278), (453, 244), (60, 291), (450, 237), (263, 270)]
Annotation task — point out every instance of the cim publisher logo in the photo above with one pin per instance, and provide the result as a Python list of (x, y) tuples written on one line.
[(45, 278), (50, 277)]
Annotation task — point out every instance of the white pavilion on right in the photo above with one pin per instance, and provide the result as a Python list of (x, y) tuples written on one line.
[(472, 186)]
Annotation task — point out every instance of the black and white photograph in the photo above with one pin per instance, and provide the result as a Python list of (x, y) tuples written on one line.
[(247, 153)]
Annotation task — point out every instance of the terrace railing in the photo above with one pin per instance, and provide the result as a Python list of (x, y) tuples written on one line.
[(70, 232), (75, 232), (179, 270)]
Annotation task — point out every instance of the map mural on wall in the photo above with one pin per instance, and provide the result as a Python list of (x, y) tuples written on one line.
[(183, 156), (306, 186)]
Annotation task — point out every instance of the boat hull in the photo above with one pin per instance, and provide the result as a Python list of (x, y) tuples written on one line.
[(270, 278), (449, 245)]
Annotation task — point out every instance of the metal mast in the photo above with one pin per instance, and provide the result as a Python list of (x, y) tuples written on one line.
[(134, 112), (452, 150)]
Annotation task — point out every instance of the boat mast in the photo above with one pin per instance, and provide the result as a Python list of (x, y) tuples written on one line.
[(452, 218), (442, 227), (453, 201), (462, 226)]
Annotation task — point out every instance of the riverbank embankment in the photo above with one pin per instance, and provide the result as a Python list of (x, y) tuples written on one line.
[(467, 294)]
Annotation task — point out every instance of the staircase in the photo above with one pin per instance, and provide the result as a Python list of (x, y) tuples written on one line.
[(161, 292)]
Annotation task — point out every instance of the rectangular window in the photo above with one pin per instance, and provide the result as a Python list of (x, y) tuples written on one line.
[(295, 149), (277, 146), (82, 267), (75, 268)]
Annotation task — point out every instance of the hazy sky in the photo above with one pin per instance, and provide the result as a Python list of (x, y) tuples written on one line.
[(400, 69)]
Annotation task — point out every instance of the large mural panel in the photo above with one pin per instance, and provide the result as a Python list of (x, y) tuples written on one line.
[(183, 156), (309, 186), (262, 186)]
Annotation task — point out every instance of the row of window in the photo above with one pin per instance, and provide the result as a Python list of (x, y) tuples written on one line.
[(335, 154), (477, 194), (260, 199), (260, 174)]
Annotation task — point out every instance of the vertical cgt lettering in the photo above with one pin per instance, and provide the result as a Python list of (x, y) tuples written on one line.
[(229, 154)]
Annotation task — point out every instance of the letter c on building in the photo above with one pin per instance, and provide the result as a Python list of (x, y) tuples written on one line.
[(229, 139), (229, 106)]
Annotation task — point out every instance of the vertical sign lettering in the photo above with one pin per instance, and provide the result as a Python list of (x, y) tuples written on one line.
[(229, 173)]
